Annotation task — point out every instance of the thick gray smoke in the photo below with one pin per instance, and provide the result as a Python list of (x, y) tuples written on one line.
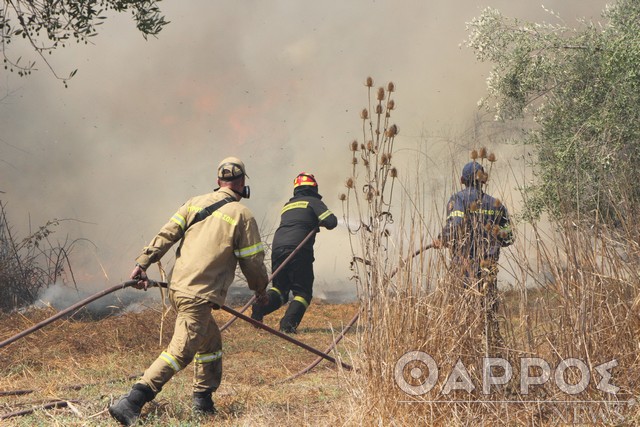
[(278, 83)]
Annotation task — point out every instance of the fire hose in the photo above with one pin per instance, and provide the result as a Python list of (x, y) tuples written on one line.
[(269, 329)]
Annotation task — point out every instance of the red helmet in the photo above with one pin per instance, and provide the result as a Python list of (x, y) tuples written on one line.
[(304, 178)]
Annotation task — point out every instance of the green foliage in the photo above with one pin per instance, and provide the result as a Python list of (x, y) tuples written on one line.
[(582, 88), (50, 24)]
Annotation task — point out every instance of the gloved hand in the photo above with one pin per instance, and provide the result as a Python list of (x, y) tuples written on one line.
[(262, 298), (140, 275)]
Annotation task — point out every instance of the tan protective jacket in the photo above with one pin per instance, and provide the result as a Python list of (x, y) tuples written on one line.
[(210, 249)]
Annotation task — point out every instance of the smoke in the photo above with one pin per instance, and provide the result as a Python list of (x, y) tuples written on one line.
[(61, 297), (278, 84)]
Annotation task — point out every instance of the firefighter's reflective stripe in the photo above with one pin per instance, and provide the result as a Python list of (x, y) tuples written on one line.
[(249, 251), (456, 213), (294, 205), (273, 288), (301, 300), (208, 357), (171, 361), (180, 220), (325, 215)]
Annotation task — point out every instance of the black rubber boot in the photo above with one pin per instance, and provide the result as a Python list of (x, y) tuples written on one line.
[(203, 403), (127, 409), (258, 311), (292, 317)]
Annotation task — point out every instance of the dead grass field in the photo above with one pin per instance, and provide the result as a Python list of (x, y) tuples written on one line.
[(92, 362)]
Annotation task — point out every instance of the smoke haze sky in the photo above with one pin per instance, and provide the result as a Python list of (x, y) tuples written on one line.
[(277, 83)]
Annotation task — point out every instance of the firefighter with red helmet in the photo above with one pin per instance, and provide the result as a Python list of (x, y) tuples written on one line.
[(303, 213)]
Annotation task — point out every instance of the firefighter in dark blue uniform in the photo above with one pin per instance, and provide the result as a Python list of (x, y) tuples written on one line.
[(477, 227), (303, 213)]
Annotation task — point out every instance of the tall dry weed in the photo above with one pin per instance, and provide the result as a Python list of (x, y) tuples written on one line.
[(572, 302)]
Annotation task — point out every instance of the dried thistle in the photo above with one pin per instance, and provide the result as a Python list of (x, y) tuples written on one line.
[(365, 162), (364, 114), (483, 153), (391, 87), (491, 157), (378, 109), (393, 172), (354, 161), (354, 145), (384, 160), (391, 104), (370, 145), (380, 93), (349, 183), (342, 197), (369, 195), (483, 176), (392, 131), (473, 154), (369, 82)]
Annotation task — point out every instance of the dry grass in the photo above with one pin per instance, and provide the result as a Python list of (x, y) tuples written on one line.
[(103, 355)]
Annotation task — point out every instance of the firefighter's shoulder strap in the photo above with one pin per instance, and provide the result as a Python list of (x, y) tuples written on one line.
[(206, 212)]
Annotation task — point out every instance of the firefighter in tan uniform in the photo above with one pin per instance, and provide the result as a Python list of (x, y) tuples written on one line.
[(215, 233)]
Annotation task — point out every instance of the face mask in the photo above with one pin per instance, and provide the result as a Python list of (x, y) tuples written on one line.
[(246, 192)]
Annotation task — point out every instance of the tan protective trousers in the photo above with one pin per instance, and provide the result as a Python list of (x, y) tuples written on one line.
[(197, 338)]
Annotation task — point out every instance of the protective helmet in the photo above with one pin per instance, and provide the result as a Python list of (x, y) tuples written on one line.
[(472, 172), (304, 178), (231, 168)]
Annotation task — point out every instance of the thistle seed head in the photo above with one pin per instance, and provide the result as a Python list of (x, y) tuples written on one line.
[(380, 94), (392, 131), (349, 183), (391, 87), (393, 172), (378, 109), (354, 145), (391, 104), (483, 153), (364, 114), (491, 157), (369, 82), (473, 154), (342, 197)]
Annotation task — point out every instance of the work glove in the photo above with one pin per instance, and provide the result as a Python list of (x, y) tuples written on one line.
[(262, 298), (140, 275)]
